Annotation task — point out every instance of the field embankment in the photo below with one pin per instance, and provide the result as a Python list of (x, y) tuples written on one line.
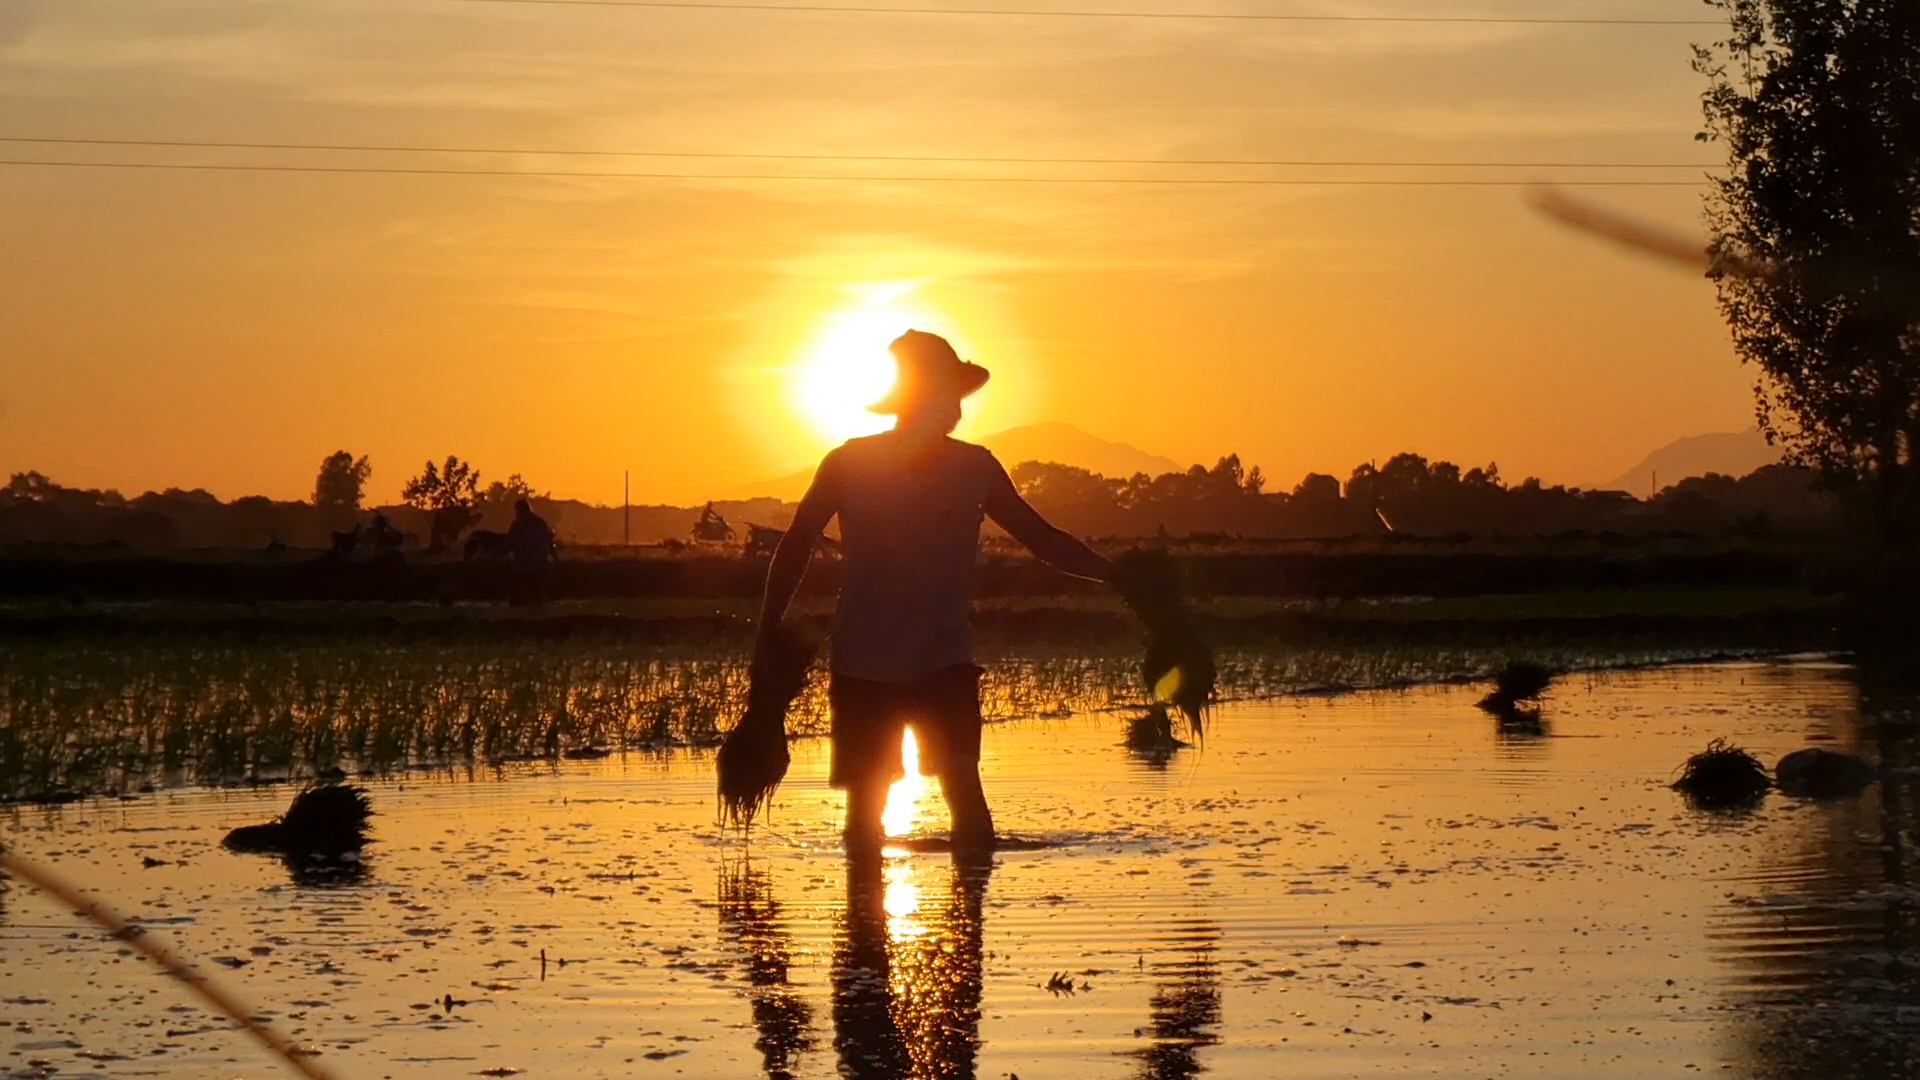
[(1321, 570)]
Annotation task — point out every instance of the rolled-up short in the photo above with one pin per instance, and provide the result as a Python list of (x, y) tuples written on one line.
[(942, 708)]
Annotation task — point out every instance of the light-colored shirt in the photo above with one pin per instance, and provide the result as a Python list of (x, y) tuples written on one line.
[(910, 514)]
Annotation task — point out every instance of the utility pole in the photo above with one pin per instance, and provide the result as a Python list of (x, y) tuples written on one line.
[(626, 502), (1653, 484)]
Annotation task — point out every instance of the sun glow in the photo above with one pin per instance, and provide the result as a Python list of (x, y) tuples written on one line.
[(845, 366)]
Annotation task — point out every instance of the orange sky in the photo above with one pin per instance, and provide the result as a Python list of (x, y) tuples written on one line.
[(228, 329)]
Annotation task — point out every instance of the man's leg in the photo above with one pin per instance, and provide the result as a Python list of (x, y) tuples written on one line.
[(866, 832), (866, 758), (952, 746), (967, 806)]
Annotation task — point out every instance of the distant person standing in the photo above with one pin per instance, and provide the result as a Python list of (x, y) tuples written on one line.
[(910, 503), (529, 555)]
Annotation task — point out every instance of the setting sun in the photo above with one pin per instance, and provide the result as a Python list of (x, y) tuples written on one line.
[(845, 366), (848, 369)]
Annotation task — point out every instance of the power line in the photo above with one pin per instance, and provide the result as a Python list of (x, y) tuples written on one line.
[(862, 9), (1249, 181), (924, 159)]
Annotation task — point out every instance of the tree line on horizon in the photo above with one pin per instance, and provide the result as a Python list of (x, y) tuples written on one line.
[(1411, 494), (1408, 494)]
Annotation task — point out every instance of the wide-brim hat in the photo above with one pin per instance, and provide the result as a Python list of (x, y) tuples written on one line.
[(927, 367)]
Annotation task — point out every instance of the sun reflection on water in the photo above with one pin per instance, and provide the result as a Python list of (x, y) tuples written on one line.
[(902, 902), (903, 798)]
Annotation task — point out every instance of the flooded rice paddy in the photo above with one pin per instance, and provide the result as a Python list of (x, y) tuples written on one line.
[(85, 715), (1374, 884)]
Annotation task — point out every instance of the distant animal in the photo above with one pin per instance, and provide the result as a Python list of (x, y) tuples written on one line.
[(1517, 685), (328, 819), (344, 543), (486, 545), (1817, 773), (383, 536)]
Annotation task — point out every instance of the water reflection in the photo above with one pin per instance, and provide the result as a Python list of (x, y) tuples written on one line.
[(312, 871), (1833, 951), (1185, 1008), (782, 1019), (907, 974)]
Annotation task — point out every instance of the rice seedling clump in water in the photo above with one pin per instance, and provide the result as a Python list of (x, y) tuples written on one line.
[(1723, 777), (326, 819), (1151, 731), (1519, 682)]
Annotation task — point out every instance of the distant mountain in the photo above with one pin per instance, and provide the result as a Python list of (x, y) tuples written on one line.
[(1055, 442), (1731, 453), (1065, 444)]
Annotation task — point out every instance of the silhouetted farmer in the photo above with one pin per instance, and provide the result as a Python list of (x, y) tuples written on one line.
[(910, 503), (530, 557)]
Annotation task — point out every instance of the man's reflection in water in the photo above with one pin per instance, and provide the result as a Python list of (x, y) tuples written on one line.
[(907, 974), (781, 1017), (1185, 1004)]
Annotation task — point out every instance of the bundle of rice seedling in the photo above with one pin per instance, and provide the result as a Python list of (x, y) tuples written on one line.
[(1151, 732), (753, 759), (1723, 777), (327, 819), (1520, 682), (1178, 666)]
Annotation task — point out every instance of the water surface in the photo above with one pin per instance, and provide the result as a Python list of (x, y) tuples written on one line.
[(1369, 884)]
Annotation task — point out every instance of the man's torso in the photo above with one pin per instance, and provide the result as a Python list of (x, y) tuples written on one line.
[(910, 534)]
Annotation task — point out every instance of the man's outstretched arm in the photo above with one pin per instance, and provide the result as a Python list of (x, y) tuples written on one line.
[(1058, 549), (795, 549)]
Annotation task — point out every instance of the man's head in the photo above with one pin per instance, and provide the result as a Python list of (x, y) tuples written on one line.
[(931, 382), (521, 508)]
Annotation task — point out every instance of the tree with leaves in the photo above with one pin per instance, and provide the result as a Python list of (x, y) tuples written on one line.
[(1817, 103), (342, 483), (495, 503), (29, 487), (450, 493)]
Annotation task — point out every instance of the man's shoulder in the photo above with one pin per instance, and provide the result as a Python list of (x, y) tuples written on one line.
[(974, 451), (884, 452), (975, 455), (859, 444), (847, 453)]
